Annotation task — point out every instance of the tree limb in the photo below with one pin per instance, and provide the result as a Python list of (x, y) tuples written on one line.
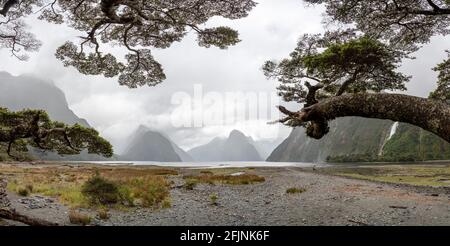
[(431, 115), (8, 4), (10, 214)]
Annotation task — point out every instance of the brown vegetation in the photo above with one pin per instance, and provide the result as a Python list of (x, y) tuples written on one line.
[(89, 186), (79, 218)]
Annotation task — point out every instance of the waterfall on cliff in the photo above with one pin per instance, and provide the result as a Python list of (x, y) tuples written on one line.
[(391, 134)]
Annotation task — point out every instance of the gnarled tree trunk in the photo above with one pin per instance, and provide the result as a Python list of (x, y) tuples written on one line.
[(431, 115)]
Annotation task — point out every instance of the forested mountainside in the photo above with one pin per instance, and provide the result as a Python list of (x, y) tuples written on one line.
[(354, 139)]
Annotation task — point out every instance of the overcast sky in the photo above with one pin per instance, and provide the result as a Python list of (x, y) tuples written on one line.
[(269, 32)]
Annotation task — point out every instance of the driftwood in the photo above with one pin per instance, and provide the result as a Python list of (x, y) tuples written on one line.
[(10, 214)]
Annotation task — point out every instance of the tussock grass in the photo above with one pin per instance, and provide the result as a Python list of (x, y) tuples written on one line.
[(23, 191), (103, 214), (78, 218), (151, 191), (417, 175), (119, 186), (213, 198), (190, 184), (101, 191)]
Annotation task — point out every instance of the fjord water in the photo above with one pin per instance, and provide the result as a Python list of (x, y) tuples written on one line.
[(222, 164)]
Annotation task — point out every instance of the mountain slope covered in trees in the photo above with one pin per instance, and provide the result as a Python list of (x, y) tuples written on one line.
[(354, 139)]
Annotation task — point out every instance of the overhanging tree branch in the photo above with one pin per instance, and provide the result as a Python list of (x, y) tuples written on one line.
[(7, 5), (431, 115)]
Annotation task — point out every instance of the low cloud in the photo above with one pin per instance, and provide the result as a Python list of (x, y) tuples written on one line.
[(269, 32)]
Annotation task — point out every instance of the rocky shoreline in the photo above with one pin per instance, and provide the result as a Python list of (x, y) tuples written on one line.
[(327, 200)]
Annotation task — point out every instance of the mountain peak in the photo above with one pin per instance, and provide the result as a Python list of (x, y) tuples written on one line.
[(28, 92), (142, 129), (151, 145), (237, 134), (4, 74), (236, 147)]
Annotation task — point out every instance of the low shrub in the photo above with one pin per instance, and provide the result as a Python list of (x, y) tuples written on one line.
[(295, 190), (190, 184), (99, 190), (213, 198), (103, 214), (79, 218), (23, 191), (166, 203), (151, 191)]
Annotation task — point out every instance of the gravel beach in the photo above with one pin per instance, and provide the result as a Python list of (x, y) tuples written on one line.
[(327, 200)]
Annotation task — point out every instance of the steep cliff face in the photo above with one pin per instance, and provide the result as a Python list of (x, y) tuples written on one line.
[(26, 92), (148, 145), (237, 147), (415, 144), (350, 135), (361, 139)]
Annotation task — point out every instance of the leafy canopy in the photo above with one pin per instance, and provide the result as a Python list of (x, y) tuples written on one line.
[(361, 51), (336, 63), (403, 25), (135, 26), (21, 129)]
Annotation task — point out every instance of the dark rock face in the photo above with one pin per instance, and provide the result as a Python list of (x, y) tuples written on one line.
[(237, 147), (147, 145), (350, 135), (26, 92)]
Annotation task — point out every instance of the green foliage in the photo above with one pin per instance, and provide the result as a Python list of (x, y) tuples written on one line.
[(23, 191), (101, 191), (135, 26), (213, 198), (408, 144), (190, 184), (339, 63), (360, 53), (402, 25), (151, 191), (418, 175), (417, 143), (221, 37), (21, 129), (443, 89), (355, 158)]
